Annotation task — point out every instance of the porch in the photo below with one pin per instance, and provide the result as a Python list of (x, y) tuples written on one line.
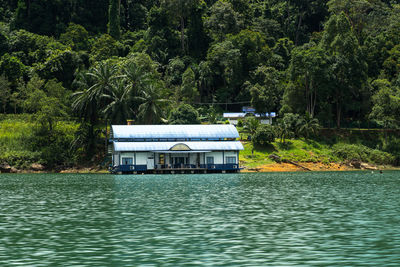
[(176, 168)]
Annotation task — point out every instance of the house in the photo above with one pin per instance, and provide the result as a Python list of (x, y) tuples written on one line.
[(174, 148), (265, 118)]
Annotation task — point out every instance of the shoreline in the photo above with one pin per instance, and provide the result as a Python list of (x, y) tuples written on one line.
[(267, 168)]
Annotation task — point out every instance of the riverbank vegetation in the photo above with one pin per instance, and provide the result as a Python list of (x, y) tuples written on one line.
[(77, 67)]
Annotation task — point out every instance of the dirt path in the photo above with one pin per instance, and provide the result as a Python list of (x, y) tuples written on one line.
[(287, 167)]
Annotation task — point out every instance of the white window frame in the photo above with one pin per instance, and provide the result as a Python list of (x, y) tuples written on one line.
[(124, 158), (230, 160)]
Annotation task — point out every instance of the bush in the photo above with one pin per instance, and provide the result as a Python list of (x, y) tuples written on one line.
[(264, 135), (184, 114), (362, 153), (20, 159)]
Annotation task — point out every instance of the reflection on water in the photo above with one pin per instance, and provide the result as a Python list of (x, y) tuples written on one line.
[(241, 219)]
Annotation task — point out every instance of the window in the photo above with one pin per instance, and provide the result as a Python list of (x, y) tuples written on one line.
[(230, 160), (210, 160), (161, 159), (127, 161)]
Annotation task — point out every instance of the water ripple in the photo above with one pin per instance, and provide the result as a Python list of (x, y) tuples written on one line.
[(306, 219)]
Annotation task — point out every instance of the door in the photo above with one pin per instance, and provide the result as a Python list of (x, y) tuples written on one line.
[(150, 162)]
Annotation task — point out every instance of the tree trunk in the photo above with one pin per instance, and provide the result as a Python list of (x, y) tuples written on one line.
[(183, 34), (105, 141), (314, 104), (298, 29), (338, 114)]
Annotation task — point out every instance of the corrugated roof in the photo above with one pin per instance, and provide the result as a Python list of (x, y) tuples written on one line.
[(166, 146), (234, 115), (174, 131), (242, 115)]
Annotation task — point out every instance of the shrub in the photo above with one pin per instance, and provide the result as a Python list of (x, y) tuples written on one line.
[(263, 135), (20, 159), (362, 153)]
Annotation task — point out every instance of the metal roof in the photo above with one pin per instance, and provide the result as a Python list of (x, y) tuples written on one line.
[(174, 131), (243, 115), (166, 146)]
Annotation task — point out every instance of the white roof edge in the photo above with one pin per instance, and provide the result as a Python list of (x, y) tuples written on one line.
[(200, 146), (198, 131)]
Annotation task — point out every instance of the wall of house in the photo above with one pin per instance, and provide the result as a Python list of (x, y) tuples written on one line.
[(231, 154), (217, 157), (141, 157), (115, 159)]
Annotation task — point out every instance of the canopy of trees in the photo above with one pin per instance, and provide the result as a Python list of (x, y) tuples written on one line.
[(337, 60)]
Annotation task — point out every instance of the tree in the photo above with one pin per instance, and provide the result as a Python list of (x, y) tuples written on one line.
[(188, 90), (309, 66), (348, 68), (265, 89), (76, 36), (263, 136), (3, 44), (45, 100), (386, 104), (205, 79), (11, 67), (288, 126), (184, 114), (117, 111), (151, 103), (104, 47), (309, 126), (85, 106), (180, 9), (114, 19), (103, 76), (5, 92), (61, 64), (251, 124), (223, 20), (224, 59), (392, 63)]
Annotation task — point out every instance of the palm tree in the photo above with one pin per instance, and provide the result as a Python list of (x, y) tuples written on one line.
[(117, 110), (309, 126), (283, 131), (103, 76), (252, 124), (151, 107), (135, 77), (85, 106)]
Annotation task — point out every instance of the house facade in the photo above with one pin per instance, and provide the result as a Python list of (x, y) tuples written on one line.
[(175, 148)]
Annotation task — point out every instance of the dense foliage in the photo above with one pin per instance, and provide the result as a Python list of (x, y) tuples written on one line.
[(178, 61)]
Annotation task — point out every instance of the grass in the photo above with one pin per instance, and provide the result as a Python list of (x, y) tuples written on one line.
[(17, 140), (317, 151), (297, 150)]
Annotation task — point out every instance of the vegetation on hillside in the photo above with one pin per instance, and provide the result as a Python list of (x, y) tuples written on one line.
[(89, 64)]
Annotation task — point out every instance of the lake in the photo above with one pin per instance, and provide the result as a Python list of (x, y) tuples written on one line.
[(254, 219)]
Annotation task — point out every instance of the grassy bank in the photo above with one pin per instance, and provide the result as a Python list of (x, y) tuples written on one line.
[(331, 148), (24, 143)]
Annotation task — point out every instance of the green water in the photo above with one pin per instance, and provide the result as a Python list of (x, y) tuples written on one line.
[(308, 219)]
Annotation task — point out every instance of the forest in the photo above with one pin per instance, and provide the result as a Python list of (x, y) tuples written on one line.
[(71, 68)]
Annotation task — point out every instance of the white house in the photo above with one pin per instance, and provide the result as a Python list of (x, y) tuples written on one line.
[(175, 148), (234, 118)]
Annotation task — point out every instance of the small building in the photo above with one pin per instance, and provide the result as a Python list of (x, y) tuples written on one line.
[(175, 148), (265, 118)]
